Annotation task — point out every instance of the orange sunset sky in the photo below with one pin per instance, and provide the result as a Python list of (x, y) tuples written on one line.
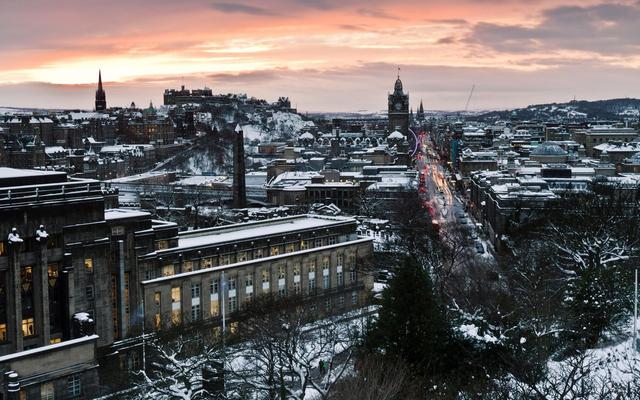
[(326, 55)]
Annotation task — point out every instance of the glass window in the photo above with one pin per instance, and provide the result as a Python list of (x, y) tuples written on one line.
[(156, 298), (213, 286), (232, 283), (281, 272), (187, 266), (88, 264), (3, 332), (248, 280), (195, 312), (242, 256), (74, 387), (47, 391), (89, 292), (195, 290), (168, 270), (265, 276), (175, 295)]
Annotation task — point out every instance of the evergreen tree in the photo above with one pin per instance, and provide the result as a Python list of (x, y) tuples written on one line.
[(412, 324)]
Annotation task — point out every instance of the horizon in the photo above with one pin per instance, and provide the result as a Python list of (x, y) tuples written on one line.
[(327, 56)]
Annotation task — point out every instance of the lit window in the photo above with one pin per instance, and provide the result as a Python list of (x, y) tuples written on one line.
[(156, 321), (3, 332), (242, 256), (175, 294), (27, 327), (188, 266), (88, 264), (156, 298), (168, 270), (55, 340), (275, 250)]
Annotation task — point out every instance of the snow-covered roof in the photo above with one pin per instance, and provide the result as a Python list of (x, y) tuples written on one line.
[(256, 230), (120, 213), (396, 135), (548, 149)]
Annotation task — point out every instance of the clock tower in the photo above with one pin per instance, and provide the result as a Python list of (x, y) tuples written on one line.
[(398, 109)]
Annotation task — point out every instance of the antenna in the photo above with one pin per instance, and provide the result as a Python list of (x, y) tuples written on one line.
[(466, 107)]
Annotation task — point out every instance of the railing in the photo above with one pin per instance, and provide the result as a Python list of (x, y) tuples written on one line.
[(17, 195)]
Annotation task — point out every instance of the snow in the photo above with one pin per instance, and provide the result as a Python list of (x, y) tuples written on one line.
[(472, 332), (42, 349), (276, 226), (120, 213)]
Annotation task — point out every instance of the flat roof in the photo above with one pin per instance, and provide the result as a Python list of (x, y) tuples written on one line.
[(120, 213), (25, 177), (255, 230)]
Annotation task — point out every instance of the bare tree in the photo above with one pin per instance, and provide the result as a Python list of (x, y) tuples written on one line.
[(175, 366), (285, 357)]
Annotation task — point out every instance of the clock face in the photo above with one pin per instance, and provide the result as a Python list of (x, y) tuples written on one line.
[(398, 106)]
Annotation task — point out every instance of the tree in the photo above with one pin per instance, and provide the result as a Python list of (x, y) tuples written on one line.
[(175, 366), (286, 357), (412, 324)]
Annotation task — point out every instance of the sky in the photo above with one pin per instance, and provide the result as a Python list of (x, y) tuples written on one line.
[(325, 55)]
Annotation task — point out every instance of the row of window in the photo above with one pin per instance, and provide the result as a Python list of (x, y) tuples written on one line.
[(226, 259)]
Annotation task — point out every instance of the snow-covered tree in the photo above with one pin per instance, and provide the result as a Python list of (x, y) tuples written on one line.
[(174, 367), (285, 357)]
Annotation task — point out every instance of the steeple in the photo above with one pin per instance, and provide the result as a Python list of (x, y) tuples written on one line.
[(101, 98)]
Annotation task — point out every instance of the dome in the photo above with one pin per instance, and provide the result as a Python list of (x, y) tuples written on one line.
[(306, 136), (548, 149), (395, 135)]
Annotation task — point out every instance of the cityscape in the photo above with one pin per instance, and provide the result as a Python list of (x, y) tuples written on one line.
[(231, 211)]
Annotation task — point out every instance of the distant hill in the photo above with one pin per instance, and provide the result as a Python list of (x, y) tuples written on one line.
[(579, 110)]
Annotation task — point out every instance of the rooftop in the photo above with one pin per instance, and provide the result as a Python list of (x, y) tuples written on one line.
[(256, 230)]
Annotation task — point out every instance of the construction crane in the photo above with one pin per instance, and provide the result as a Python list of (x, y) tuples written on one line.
[(466, 107)]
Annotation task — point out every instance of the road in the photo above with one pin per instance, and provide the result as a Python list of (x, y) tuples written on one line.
[(444, 205)]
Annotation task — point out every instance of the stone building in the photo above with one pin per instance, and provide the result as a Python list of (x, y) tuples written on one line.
[(398, 109)]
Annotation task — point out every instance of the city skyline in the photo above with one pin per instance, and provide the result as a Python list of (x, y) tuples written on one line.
[(325, 55)]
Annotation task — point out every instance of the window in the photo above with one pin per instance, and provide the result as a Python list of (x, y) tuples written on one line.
[(327, 304), (3, 332), (168, 270), (354, 298), (187, 266), (353, 276), (312, 284), (242, 256), (257, 253), (195, 290), (27, 327), (275, 250), (157, 321), (290, 248), (265, 276), (281, 272), (225, 259), (88, 264), (340, 260), (213, 287), (175, 295), (3, 249), (156, 299), (74, 387), (232, 283), (303, 245), (341, 301), (47, 391), (248, 280), (325, 282), (318, 243), (89, 292), (162, 244), (195, 312), (340, 277), (332, 240), (55, 340), (233, 304)]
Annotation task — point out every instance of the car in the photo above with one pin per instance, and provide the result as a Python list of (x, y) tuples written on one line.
[(479, 248)]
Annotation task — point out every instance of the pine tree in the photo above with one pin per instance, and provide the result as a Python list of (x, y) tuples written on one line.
[(412, 324)]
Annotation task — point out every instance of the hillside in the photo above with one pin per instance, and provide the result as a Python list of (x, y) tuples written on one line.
[(578, 110)]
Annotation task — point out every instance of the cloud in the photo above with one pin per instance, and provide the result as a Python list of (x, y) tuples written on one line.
[(376, 13), (242, 9), (608, 29)]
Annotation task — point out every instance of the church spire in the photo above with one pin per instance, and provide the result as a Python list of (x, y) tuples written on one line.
[(101, 98)]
